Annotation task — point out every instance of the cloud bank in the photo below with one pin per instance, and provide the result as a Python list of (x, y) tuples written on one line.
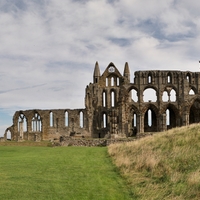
[(49, 47)]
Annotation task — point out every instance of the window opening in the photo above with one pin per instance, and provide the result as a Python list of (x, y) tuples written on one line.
[(66, 118), (149, 117), (112, 81), (8, 135), (134, 120), (165, 96), (173, 95), (112, 99), (36, 123), (104, 120), (150, 95), (134, 95), (104, 99), (188, 78), (167, 117), (169, 79), (51, 119), (149, 79), (22, 125), (81, 119), (117, 81), (191, 92)]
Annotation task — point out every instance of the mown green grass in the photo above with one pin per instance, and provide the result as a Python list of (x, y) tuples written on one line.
[(163, 166), (59, 173)]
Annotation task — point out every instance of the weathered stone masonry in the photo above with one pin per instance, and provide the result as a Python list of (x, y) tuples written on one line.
[(111, 109)]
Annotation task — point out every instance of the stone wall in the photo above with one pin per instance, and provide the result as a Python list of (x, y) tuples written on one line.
[(70, 141)]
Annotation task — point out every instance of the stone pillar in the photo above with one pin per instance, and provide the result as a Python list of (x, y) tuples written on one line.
[(21, 131), (163, 124), (140, 123), (186, 119)]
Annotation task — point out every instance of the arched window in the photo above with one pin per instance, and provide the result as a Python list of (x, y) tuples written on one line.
[(106, 82), (165, 96), (150, 121), (36, 123), (112, 81), (149, 78), (150, 95), (8, 135), (51, 119), (22, 124), (188, 77), (104, 99), (191, 92), (172, 95), (170, 118), (104, 120), (117, 81), (112, 99), (149, 117), (134, 95), (134, 120), (81, 119), (169, 78), (66, 118), (167, 117)]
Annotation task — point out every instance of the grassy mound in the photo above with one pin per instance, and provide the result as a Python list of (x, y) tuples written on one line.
[(163, 166)]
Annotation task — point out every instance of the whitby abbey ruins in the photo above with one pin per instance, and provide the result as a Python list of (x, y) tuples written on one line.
[(117, 107)]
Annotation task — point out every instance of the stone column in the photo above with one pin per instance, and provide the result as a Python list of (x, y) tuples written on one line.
[(186, 119), (163, 124), (21, 131), (140, 123)]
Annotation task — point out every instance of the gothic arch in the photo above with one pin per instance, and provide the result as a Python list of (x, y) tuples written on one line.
[(194, 111), (151, 118), (150, 78), (150, 94), (192, 88), (133, 91), (104, 119), (169, 78), (81, 119), (189, 77), (169, 89), (104, 98), (36, 123), (8, 135), (172, 115), (113, 98)]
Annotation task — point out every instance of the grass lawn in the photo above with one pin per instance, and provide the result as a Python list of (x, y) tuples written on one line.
[(59, 173)]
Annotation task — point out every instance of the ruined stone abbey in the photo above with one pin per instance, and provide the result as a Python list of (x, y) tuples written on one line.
[(117, 107)]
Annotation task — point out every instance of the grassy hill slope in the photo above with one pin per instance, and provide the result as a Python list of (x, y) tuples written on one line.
[(163, 166)]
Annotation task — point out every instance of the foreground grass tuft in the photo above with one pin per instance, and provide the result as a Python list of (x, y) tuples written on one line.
[(72, 173), (162, 166)]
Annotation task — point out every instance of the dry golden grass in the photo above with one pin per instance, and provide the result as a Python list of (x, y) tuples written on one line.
[(162, 166)]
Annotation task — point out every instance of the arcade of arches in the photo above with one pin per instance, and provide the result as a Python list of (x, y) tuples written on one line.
[(115, 107)]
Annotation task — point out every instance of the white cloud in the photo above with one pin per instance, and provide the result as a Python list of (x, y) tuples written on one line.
[(49, 48)]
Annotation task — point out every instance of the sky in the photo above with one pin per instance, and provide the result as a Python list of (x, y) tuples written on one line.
[(48, 48)]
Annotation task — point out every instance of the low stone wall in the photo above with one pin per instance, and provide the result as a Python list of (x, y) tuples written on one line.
[(2, 139), (70, 141)]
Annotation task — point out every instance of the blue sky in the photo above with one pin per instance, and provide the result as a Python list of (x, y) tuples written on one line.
[(48, 48)]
